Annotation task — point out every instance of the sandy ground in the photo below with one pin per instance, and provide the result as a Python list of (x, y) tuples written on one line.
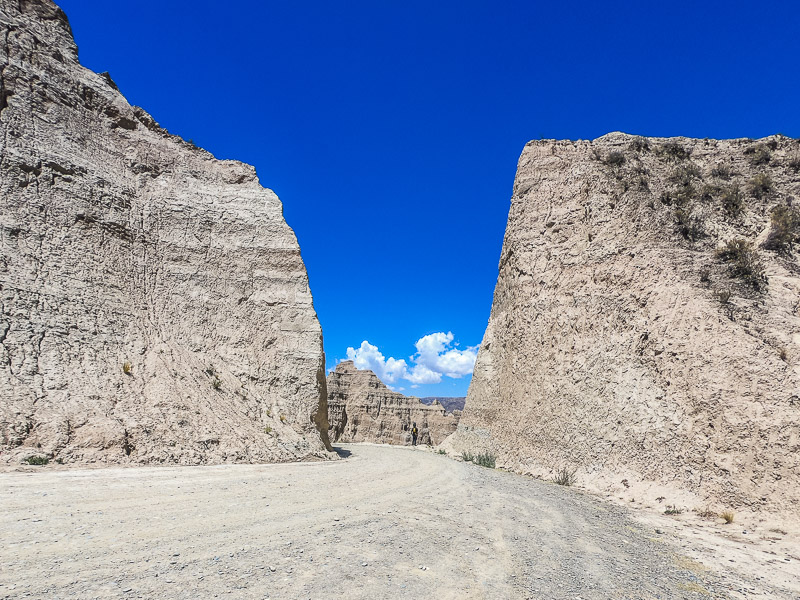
[(387, 522)]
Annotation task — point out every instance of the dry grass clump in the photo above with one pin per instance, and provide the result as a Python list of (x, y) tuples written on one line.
[(744, 262), (565, 476), (672, 510), (674, 151), (727, 516), (758, 154), (615, 159), (760, 186), (732, 199), (640, 144), (785, 230), (721, 171), (127, 368)]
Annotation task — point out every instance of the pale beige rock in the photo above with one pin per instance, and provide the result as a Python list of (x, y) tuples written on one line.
[(155, 307), (363, 409), (608, 350)]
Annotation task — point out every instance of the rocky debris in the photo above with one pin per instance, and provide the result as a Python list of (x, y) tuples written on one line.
[(155, 306), (450, 403), (362, 409), (645, 328)]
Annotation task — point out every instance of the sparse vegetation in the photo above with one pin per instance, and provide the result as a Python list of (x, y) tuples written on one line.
[(723, 296), (37, 460), (671, 509), (615, 159), (565, 476), (684, 174), (484, 459), (283, 418), (728, 516), (674, 151), (758, 154), (709, 191), (785, 229), (706, 513), (794, 163), (216, 384), (744, 262), (467, 456), (760, 186), (640, 144), (127, 368), (267, 429), (732, 201), (782, 354), (721, 171), (440, 451), (705, 275), (690, 226)]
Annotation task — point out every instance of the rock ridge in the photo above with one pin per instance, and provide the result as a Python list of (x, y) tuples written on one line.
[(155, 305)]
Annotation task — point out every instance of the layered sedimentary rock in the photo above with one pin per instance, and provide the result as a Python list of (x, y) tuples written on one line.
[(363, 409), (155, 306), (450, 403), (645, 322)]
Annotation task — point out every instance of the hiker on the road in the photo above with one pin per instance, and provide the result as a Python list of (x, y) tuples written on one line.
[(414, 433)]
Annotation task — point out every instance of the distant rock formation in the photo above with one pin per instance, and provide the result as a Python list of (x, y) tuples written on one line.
[(450, 403), (362, 409), (155, 307), (645, 324)]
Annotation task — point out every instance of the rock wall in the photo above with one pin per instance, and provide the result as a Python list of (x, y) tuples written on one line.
[(155, 306), (363, 409), (645, 324)]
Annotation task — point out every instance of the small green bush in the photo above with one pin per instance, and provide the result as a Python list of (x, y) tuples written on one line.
[(484, 459), (721, 171), (216, 384), (674, 151), (760, 186), (37, 460), (565, 476), (689, 226), (732, 200), (440, 451), (672, 510), (785, 230), (744, 262), (615, 159), (640, 144), (758, 154), (467, 456), (684, 174), (127, 368)]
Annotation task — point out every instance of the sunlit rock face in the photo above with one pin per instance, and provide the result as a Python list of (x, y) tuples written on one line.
[(363, 409), (155, 306), (645, 325)]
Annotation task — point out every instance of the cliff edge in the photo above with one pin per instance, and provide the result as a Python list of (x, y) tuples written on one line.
[(155, 306), (645, 333)]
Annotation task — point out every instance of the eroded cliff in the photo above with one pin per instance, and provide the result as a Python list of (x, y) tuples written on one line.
[(644, 331), (363, 409), (155, 306)]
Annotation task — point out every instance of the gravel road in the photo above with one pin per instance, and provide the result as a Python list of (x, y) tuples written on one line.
[(387, 522)]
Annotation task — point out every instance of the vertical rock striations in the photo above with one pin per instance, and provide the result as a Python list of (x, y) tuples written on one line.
[(362, 409), (645, 324), (155, 307)]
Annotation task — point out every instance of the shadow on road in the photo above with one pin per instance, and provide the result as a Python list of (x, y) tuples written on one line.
[(342, 452)]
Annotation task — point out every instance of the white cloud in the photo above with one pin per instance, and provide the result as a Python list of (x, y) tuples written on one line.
[(369, 357), (436, 356)]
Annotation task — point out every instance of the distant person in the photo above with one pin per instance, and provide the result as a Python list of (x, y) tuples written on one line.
[(414, 434)]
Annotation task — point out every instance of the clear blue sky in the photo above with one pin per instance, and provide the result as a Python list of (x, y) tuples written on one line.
[(391, 130)]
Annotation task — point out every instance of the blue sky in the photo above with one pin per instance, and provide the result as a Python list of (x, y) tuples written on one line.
[(391, 130)]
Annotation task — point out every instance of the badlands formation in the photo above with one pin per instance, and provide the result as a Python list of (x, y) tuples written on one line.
[(645, 331), (155, 307), (362, 409)]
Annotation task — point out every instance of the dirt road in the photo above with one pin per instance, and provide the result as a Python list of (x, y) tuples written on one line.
[(387, 522)]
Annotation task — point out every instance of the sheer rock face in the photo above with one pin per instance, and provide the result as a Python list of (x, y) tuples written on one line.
[(363, 409), (621, 343), (155, 307)]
